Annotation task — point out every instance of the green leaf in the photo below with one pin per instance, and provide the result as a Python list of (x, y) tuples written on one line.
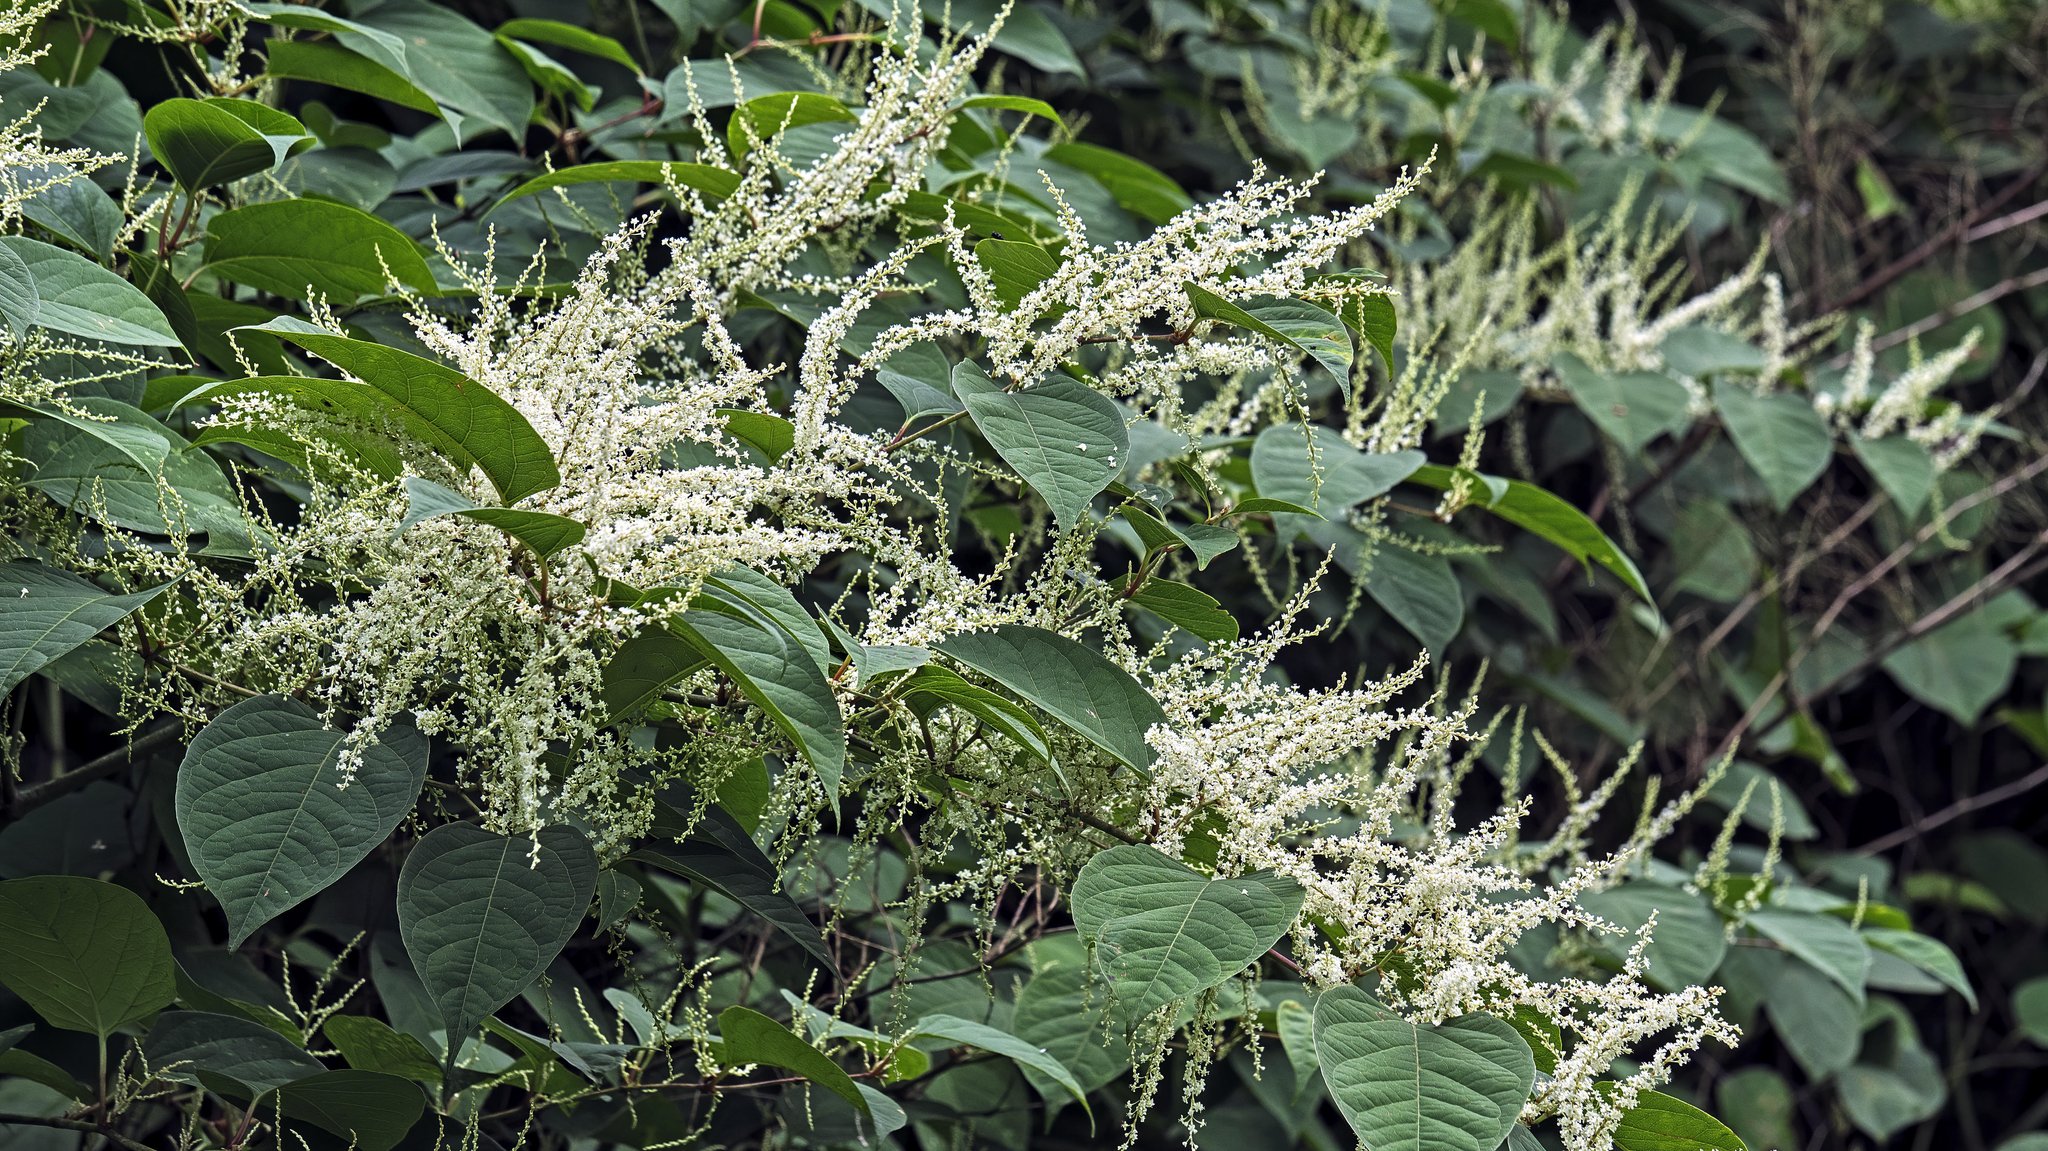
[(571, 37), (719, 853), (1024, 104), (1404, 1086), (1374, 319), (71, 206), (1311, 465), (79, 298), (1137, 186), (264, 812), (482, 915), (1903, 467), (643, 667), (1298, 325), (1823, 942), (1519, 173), (220, 140), (542, 532), (770, 434), (1926, 953), (122, 468), (715, 183), (1959, 669), (370, 1110), (1012, 721), (743, 587), (1188, 608), (1493, 17), (921, 379), (459, 64), (1532, 509), (205, 1048), (325, 62), (19, 300), (36, 1069), (747, 1036), (766, 117), (1062, 1010), (370, 1044), (776, 672), (1632, 408), (1064, 438), (1016, 267), (438, 405), (1687, 944), (295, 248), (85, 955), (2030, 1009), (1420, 591), (1780, 435), (1070, 682), (1659, 1122), (967, 1033), (1164, 932), (50, 613)]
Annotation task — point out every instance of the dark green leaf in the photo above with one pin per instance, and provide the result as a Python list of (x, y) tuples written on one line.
[(750, 1037), (1312, 466), (483, 915), (50, 613), (1072, 683), (202, 1047), (1455, 1086), (1780, 435), (265, 814), (715, 183), (718, 852), (79, 298), (370, 1110), (445, 409), (1189, 608), (543, 532), (1535, 510), (1012, 721), (766, 117), (1064, 438), (1632, 408), (1164, 932), (219, 140), (85, 955), (296, 248), (1295, 324)]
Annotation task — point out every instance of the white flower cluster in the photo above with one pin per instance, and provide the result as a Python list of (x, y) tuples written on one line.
[(1352, 798)]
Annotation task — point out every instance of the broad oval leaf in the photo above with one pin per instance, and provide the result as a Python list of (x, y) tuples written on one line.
[(718, 852), (1164, 932), (1404, 1086), (1685, 947), (1632, 408), (482, 915), (85, 955), (79, 298), (220, 139), (443, 408), (293, 248), (50, 613), (369, 1110), (264, 812), (1012, 721), (1313, 467), (765, 117), (1780, 434), (1187, 607), (967, 1033), (1064, 438), (1659, 1122), (1822, 942), (1071, 682), (207, 1048)]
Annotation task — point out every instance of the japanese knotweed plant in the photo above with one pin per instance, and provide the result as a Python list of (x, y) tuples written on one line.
[(586, 556)]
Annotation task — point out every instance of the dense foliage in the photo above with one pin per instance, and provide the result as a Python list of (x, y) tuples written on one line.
[(1283, 573)]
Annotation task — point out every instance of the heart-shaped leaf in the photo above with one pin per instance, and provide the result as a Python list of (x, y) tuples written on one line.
[(1405, 1086), (85, 955), (1064, 438), (482, 914), (1163, 931), (264, 812)]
